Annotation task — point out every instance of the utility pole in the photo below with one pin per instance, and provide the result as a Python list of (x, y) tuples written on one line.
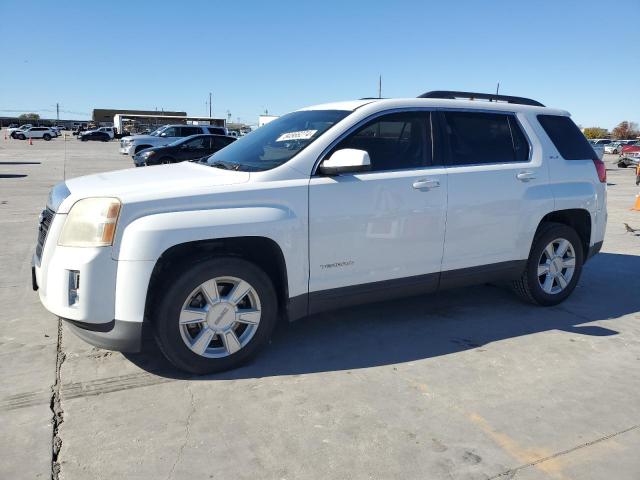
[(209, 104), (380, 86)]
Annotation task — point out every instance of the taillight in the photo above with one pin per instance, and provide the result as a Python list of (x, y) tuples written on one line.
[(601, 169)]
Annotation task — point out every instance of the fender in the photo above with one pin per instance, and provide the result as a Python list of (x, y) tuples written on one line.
[(145, 239)]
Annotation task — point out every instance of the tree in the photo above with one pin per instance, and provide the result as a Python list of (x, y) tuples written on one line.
[(29, 116), (626, 131), (596, 132)]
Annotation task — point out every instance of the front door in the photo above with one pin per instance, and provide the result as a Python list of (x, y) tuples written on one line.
[(379, 233)]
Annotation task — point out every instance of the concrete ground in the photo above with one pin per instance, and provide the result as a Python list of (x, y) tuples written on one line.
[(468, 384)]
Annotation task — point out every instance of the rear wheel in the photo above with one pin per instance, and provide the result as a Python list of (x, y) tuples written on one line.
[(554, 266), (215, 315)]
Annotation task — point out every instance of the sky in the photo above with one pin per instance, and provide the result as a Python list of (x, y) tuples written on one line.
[(581, 56)]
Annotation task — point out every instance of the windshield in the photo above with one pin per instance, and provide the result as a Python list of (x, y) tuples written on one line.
[(276, 142)]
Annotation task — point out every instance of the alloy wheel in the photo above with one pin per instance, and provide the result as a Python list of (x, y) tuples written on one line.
[(220, 317), (556, 266)]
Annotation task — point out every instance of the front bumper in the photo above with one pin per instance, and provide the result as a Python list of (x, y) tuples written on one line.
[(114, 335), (126, 149)]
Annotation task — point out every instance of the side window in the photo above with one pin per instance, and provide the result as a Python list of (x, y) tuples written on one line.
[(567, 137), (481, 137), (200, 143), (220, 142), (170, 132), (216, 130), (395, 141), (188, 131)]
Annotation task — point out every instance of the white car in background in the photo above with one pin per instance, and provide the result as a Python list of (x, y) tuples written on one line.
[(44, 133), (164, 136), (613, 147), (13, 132)]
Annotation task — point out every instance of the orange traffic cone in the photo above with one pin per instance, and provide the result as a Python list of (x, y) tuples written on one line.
[(636, 207), (30, 141)]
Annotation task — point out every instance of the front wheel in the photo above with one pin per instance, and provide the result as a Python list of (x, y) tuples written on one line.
[(46, 137), (215, 315), (21, 137), (553, 267)]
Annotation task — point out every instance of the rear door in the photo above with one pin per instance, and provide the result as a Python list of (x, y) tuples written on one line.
[(497, 185)]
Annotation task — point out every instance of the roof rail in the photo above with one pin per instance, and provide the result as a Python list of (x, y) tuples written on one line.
[(483, 96)]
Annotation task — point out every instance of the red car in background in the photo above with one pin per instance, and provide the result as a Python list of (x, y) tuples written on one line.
[(629, 155)]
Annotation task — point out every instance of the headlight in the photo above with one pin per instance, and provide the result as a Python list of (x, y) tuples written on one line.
[(147, 154), (91, 223)]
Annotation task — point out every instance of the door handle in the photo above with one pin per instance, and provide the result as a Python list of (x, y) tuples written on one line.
[(526, 176), (425, 184)]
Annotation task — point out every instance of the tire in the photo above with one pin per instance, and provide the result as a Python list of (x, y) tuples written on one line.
[(216, 355), (529, 286), (637, 179), (46, 137), (622, 165), (21, 137)]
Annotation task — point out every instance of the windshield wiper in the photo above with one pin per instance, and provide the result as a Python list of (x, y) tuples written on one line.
[(226, 165)]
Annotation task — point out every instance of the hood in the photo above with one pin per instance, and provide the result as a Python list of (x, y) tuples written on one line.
[(141, 137), (162, 181)]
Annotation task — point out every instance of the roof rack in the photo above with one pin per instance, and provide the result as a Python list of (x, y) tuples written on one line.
[(483, 96)]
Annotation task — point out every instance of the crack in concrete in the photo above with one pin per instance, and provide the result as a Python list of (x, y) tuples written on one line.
[(186, 435), (56, 408), (512, 472)]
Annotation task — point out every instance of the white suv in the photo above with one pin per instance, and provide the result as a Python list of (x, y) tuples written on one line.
[(44, 133), (164, 136), (325, 207)]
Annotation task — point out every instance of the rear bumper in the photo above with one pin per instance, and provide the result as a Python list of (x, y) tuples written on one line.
[(114, 335)]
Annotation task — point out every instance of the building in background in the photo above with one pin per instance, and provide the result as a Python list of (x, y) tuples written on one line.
[(264, 119), (104, 116)]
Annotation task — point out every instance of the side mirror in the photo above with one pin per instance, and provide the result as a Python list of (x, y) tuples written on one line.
[(347, 160)]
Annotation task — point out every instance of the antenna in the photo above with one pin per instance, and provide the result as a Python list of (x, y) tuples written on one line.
[(380, 86), (498, 89)]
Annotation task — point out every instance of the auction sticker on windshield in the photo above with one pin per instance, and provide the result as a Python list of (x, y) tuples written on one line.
[(301, 135)]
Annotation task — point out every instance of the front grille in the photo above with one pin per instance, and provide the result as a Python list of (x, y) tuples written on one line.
[(43, 228)]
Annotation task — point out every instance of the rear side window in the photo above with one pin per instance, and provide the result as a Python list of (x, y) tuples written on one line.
[(567, 137), (188, 131), (481, 137)]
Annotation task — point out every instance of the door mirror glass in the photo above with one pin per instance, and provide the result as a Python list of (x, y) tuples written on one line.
[(345, 161)]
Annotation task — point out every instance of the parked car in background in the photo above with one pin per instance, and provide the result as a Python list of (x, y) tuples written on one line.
[(189, 148), (326, 207), (109, 131), (96, 135), (613, 147), (165, 136), (598, 148), (629, 154), (600, 141), (44, 133), (14, 131)]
